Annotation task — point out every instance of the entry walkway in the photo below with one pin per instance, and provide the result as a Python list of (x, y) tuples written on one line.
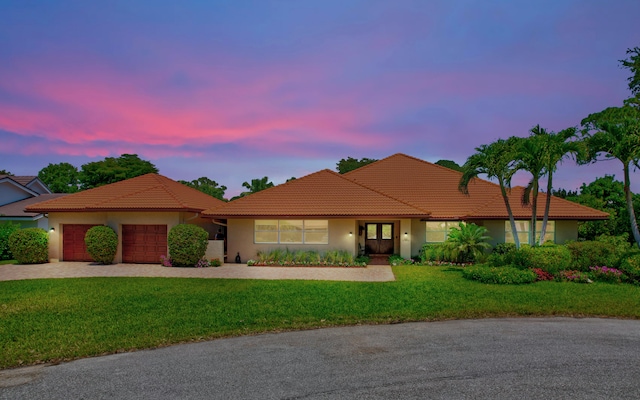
[(372, 273)]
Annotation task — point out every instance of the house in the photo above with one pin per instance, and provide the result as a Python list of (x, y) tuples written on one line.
[(18, 192), (391, 206), (141, 210)]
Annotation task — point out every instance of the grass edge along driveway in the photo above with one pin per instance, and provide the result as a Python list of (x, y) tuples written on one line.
[(52, 320)]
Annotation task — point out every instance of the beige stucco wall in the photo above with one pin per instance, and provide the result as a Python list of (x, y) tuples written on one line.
[(240, 239), (566, 230), (115, 220)]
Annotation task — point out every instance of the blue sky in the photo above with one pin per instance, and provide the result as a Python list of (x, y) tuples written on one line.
[(236, 90)]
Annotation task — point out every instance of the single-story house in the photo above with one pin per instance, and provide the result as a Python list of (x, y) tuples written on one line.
[(18, 192), (391, 206), (141, 210)]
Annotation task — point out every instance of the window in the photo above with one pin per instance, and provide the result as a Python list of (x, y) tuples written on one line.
[(523, 229), (438, 231), (295, 231)]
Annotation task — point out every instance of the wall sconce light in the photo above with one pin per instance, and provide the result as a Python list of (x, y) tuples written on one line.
[(350, 233), (406, 234), (52, 229)]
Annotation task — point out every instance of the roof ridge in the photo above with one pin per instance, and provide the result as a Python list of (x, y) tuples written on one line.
[(485, 204), (162, 184)]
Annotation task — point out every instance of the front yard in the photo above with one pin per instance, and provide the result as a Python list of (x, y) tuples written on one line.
[(62, 319)]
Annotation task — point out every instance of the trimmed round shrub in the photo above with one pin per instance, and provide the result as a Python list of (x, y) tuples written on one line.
[(591, 253), (30, 246), (187, 244), (102, 243), (499, 275), (549, 258), (6, 229)]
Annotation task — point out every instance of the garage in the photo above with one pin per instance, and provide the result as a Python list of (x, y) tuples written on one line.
[(73, 247), (143, 243)]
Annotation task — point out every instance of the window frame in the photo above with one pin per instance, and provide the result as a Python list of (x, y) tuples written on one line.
[(447, 228), (305, 228), (550, 233)]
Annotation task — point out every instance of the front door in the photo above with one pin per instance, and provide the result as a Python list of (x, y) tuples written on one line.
[(379, 239)]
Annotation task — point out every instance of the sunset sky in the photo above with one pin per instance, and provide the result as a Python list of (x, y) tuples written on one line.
[(235, 90)]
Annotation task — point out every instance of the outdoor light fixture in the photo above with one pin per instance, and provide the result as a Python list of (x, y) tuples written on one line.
[(52, 229), (405, 234), (350, 233)]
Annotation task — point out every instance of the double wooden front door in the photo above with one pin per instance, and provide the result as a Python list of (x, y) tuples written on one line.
[(379, 238)]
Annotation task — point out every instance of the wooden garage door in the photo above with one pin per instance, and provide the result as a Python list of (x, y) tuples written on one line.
[(143, 243), (73, 247)]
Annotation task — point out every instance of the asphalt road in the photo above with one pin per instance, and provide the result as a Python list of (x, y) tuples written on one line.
[(525, 358)]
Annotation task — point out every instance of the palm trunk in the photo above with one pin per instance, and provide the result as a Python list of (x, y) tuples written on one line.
[(534, 212), (632, 214), (512, 220), (547, 205)]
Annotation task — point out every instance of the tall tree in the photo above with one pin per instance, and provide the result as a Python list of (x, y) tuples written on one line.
[(530, 157), (349, 164), (449, 164), (615, 133), (551, 148), (255, 186), (60, 178), (496, 161), (5, 172), (110, 170), (633, 65), (208, 186)]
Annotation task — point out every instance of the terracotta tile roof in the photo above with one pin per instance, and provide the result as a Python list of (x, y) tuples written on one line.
[(16, 209), (433, 187), (321, 194), (558, 209), (150, 192)]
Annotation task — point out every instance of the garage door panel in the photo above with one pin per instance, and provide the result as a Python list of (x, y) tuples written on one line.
[(73, 246), (143, 243)]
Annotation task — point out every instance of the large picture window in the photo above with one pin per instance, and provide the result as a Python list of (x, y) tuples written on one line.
[(438, 231), (293, 231), (524, 231)]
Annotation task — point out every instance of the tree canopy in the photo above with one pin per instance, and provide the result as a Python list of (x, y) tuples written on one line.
[(5, 172), (60, 178), (349, 164), (255, 186), (208, 186), (633, 65), (449, 164), (111, 170)]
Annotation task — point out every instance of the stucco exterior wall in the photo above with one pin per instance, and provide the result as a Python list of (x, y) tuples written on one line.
[(240, 239), (566, 230), (115, 220)]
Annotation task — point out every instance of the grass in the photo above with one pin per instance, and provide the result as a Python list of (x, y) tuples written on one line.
[(5, 262), (61, 319)]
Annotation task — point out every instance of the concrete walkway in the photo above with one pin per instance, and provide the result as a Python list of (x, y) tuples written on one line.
[(372, 273)]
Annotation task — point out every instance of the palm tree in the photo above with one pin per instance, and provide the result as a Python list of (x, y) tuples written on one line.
[(530, 156), (617, 135), (558, 147), (496, 160), (467, 242), (257, 185)]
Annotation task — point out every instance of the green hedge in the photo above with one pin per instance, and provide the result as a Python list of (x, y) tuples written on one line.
[(549, 258), (30, 246), (6, 229), (430, 252), (102, 243), (499, 275), (592, 253), (630, 266), (187, 244)]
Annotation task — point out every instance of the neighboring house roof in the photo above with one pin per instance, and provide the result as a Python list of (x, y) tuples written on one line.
[(395, 186), (321, 194), (16, 210), (30, 182), (150, 192)]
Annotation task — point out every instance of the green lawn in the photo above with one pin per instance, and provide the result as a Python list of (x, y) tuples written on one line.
[(4, 262), (61, 319)]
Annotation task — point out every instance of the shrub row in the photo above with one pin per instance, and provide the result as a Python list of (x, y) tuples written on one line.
[(499, 275)]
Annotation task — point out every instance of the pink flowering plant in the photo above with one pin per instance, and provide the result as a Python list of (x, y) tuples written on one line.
[(606, 274), (573, 276), (166, 261)]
